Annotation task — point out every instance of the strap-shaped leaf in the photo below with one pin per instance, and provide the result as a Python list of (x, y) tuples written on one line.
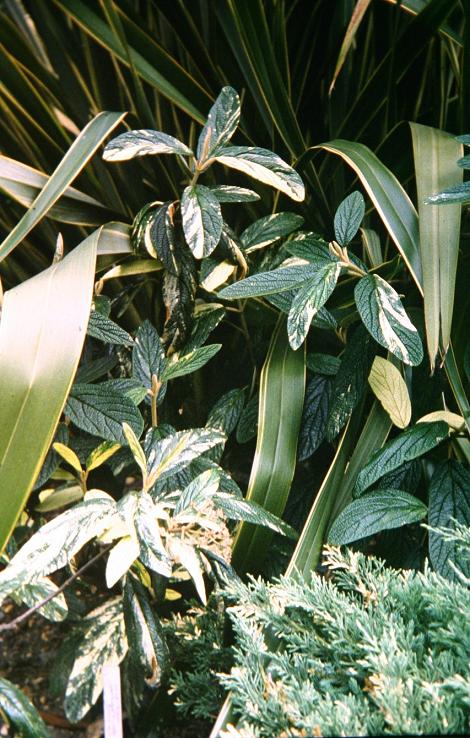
[(104, 640), (221, 124), (410, 444), (374, 512), (449, 503), (202, 220), (142, 143), (267, 283), (73, 162), (310, 298), (389, 387), (101, 412), (147, 645), (383, 315), (266, 167), (268, 229), (19, 712), (348, 218), (41, 337)]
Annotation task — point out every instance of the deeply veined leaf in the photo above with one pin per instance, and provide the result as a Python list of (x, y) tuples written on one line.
[(160, 237), (266, 167), (142, 143), (102, 412), (73, 162), (310, 248), (390, 388), (147, 646), (383, 315), (57, 542), (201, 488), (309, 299), (374, 512), (174, 453), (435, 154), (449, 503), (188, 363), (314, 416), (127, 386), (148, 357), (412, 443), (460, 194), (41, 337), (282, 388), (120, 559), (390, 199), (206, 318), (267, 283), (101, 454), (268, 229), (323, 364), (348, 218), (221, 124), (248, 423), (250, 512), (68, 455), (202, 220), (104, 641), (20, 713), (23, 184), (231, 193), (106, 330), (226, 412), (351, 379)]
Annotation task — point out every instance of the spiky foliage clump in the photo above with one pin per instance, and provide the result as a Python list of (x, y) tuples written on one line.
[(366, 650)]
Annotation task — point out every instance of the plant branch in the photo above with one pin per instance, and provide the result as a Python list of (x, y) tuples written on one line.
[(17, 621)]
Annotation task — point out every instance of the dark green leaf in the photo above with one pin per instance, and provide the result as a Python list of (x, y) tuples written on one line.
[(206, 318), (141, 143), (51, 462), (148, 357), (128, 387), (93, 370), (160, 239), (188, 363), (248, 423), (266, 283), (309, 299), (100, 411), (202, 220), (221, 125), (107, 330), (104, 640), (449, 503), (266, 230), (348, 218), (385, 318), (323, 364), (380, 510), (312, 249), (314, 417), (406, 477), (410, 444), (231, 193), (179, 297), (265, 166), (351, 379), (20, 713), (251, 512), (147, 645), (457, 194), (227, 410)]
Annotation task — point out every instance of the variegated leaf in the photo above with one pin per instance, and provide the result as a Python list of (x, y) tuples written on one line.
[(141, 143), (202, 220)]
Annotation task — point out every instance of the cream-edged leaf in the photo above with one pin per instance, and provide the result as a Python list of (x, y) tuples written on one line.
[(120, 559), (142, 143), (202, 220)]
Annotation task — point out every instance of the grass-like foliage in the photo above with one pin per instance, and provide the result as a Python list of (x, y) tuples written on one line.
[(366, 650)]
